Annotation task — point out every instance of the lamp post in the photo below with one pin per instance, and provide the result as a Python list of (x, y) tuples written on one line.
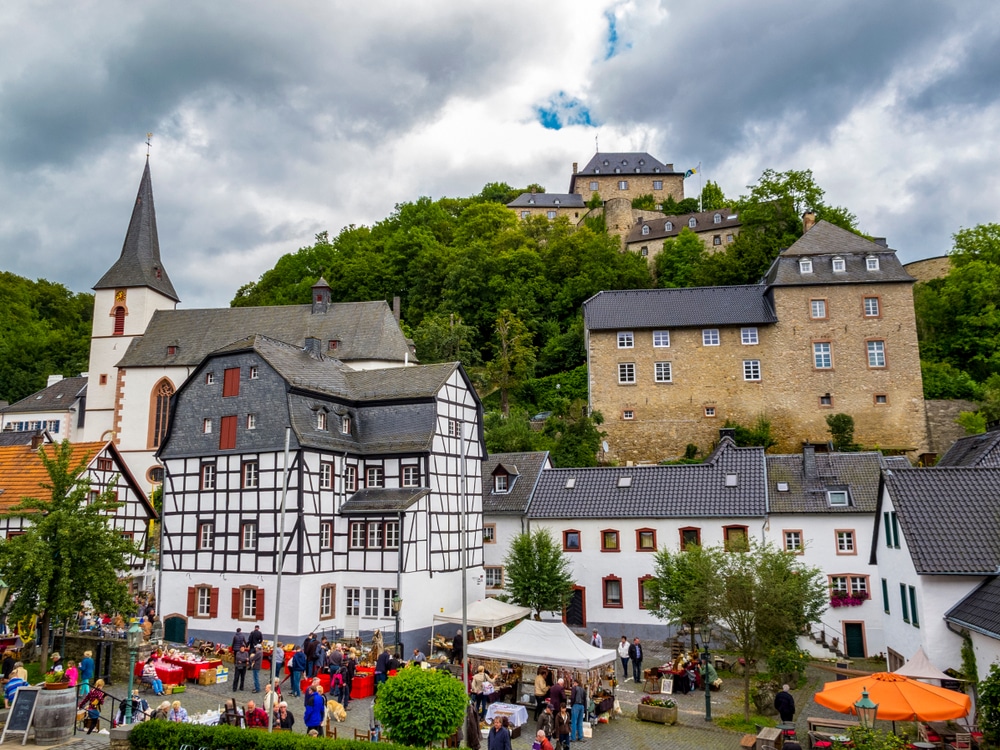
[(134, 636), (866, 710), (397, 604), (706, 640)]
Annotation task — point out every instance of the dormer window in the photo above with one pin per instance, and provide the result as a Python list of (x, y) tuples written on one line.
[(805, 266), (500, 483), (692, 222), (645, 230), (837, 498), (618, 170), (871, 263), (717, 219), (171, 351), (570, 483), (606, 162), (642, 162), (321, 420), (668, 227), (345, 425), (656, 169), (839, 266), (556, 201)]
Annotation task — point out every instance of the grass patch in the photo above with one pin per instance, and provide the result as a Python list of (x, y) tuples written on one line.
[(35, 673), (736, 723)]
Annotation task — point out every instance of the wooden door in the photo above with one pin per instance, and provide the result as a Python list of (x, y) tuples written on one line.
[(575, 614), (854, 637)]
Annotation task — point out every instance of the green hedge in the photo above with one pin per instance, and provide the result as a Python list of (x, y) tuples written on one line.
[(167, 735)]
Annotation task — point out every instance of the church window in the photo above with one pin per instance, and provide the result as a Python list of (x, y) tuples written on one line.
[(119, 313), (160, 412)]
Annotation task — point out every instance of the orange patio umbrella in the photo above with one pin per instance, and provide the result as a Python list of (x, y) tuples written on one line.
[(899, 698)]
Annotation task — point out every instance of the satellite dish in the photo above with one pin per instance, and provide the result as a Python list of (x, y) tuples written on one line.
[(604, 445)]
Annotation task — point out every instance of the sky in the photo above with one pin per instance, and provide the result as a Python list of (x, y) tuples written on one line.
[(275, 121)]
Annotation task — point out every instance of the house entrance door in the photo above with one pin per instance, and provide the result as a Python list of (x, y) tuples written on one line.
[(175, 630), (576, 611), (854, 637)]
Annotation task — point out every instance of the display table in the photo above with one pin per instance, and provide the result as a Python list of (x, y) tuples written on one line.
[(169, 674), (193, 669), (363, 685), (516, 715)]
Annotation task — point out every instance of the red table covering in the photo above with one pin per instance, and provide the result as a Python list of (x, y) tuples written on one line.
[(192, 669)]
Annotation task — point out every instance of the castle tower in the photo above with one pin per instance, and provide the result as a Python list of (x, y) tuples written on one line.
[(126, 297)]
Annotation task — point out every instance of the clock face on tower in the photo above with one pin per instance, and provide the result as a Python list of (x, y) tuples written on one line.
[(120, 295)]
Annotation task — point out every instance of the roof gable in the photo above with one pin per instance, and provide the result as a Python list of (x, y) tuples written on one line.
[(56, 397), (799, 486), (974, 450), (528, 468), (980, 610)]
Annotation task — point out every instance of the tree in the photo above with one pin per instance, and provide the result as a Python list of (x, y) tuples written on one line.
[(680, 261), (683, 587), (69, 552), (757, 435), (766, 598), (841, 431), (510, 434), (573, 440), (712, 197), (419, 707), (445, 338), (514, 357), (644, 202), (537, 573), (988, 704)]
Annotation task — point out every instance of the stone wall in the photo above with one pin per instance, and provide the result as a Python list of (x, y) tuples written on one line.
[(942, 429), (77, 643), (929, 268), (638, 184)]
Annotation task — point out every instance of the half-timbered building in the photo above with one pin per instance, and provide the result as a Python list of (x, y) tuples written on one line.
[(22, 475), (379, 463)]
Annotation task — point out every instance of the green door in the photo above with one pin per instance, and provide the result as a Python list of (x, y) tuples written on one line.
[(854, 635), (175, 630)]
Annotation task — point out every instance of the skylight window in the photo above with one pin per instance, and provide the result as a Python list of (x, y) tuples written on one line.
[(570, 483), (732, 480), (837, 498), (624, 481), (782, 486)]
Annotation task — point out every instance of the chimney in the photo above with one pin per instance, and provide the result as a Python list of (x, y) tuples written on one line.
[(880, 241), (574, 167), (809, 461), (395, 307), (53, 379), (313, 348), (727, 432), (36, 440), (808, 221)]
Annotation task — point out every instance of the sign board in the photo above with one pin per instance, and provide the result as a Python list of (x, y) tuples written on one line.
[(21, 713)]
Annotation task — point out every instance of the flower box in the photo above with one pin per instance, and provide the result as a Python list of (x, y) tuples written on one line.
[(659, 714)]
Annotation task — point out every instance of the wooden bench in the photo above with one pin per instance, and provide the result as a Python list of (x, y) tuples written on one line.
[(837, 725)]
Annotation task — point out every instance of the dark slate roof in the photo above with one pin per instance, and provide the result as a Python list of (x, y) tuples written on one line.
[(949, 518), (547, 200), (705, 223), (139, 264), (680, 491), (22, 437), (824, 241), (634, 162), (809, 478), (677, 308), (56, 397), (974, 450), (382, 499), (365, 330), (528, 468), (980, 610)]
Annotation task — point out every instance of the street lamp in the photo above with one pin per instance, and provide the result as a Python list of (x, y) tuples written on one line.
[(706, 640), (866, 710), (134, 641), (397, 604)]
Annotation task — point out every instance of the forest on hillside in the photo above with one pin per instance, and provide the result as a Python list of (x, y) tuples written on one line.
[(504, 296)]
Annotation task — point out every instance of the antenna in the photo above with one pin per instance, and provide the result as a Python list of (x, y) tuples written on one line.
[(149, 145)]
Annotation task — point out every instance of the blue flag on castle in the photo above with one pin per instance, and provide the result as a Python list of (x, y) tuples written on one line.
[(690, 172)]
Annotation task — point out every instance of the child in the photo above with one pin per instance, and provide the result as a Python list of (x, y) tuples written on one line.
[(72, 673)]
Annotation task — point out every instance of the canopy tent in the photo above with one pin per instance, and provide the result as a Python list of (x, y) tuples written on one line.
[(899, 698), (920, 668), (486, 613), (552, 643)]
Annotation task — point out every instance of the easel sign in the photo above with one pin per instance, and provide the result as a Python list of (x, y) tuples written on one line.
[(21, 713), (667, 686)]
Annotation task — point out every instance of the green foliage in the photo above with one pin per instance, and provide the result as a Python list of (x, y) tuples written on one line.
[(168, 735), (514, 357), (509, 434), (943, 380), (69, 553), (683, 587), (970, 670), (421, 706), (672, 207), (44, 329), (841, 431), (988, 704), (973, 422), (744, 725), (537, 572), (445, 338), (712, 197), (758, 434), (680, 262), (785, 660), (874, 739), (690, 452), (644, 202), (572, 436), (595, 201)]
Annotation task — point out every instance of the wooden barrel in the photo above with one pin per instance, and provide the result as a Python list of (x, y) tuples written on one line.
[(55, 714)]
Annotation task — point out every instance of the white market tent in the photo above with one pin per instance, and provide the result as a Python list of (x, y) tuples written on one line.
[(486, 613), (552, 643), (919, 667)]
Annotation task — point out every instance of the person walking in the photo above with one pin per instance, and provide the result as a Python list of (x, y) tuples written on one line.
[(546, 723), (623, 649), (315, 709), (499, 736), (381, 669), (635, 654), (564, 725), (578, 702), (350, 666), (785, 703), (92, 703), (256, 660), (595, 639), (240, 661), (457, 650), (296, 669), (86, 670)]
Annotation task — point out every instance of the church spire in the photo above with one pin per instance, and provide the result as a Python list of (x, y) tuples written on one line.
[(139, 263)]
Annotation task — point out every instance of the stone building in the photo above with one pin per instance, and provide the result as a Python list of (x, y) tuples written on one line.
[(830, 329), (627, 175), (716, 229), (549, 205)]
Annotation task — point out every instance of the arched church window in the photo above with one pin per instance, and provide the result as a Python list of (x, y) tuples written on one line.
[(159, 409), (119, 314)]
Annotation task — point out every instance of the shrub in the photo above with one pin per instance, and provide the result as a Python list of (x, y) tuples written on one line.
[(421, 706), (167, 735)]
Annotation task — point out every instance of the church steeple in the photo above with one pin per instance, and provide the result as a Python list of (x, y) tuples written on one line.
[(139, 264)]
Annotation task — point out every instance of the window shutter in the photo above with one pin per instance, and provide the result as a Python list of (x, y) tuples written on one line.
[(236, 604), (227, 433), (260, 604), (231, 382), (213, 602), (192, 595)]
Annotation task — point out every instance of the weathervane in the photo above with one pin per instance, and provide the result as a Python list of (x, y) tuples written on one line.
[(149, 145)]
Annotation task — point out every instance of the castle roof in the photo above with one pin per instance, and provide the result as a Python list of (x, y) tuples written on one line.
[(974, 450), (624, 162), (678, 308), (139, 264), (547, 200)]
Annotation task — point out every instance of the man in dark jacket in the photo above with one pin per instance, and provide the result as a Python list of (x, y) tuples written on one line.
[(297, 668), (256, 661), (499, 737), (557, 695), (311, 648), (785, 703), (381, 669), (239, 640), (256, 638), (457, 650), (241, 660), (635, 654)]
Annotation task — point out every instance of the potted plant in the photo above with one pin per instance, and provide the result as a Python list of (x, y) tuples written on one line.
[(55, 681), (662, 710)]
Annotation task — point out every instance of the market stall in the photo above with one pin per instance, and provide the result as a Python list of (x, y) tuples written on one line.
[(482, 617), (516, 655)]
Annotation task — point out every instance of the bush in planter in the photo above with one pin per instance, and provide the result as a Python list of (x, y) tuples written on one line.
[(167, 735), (648, 700), (421, 706)]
